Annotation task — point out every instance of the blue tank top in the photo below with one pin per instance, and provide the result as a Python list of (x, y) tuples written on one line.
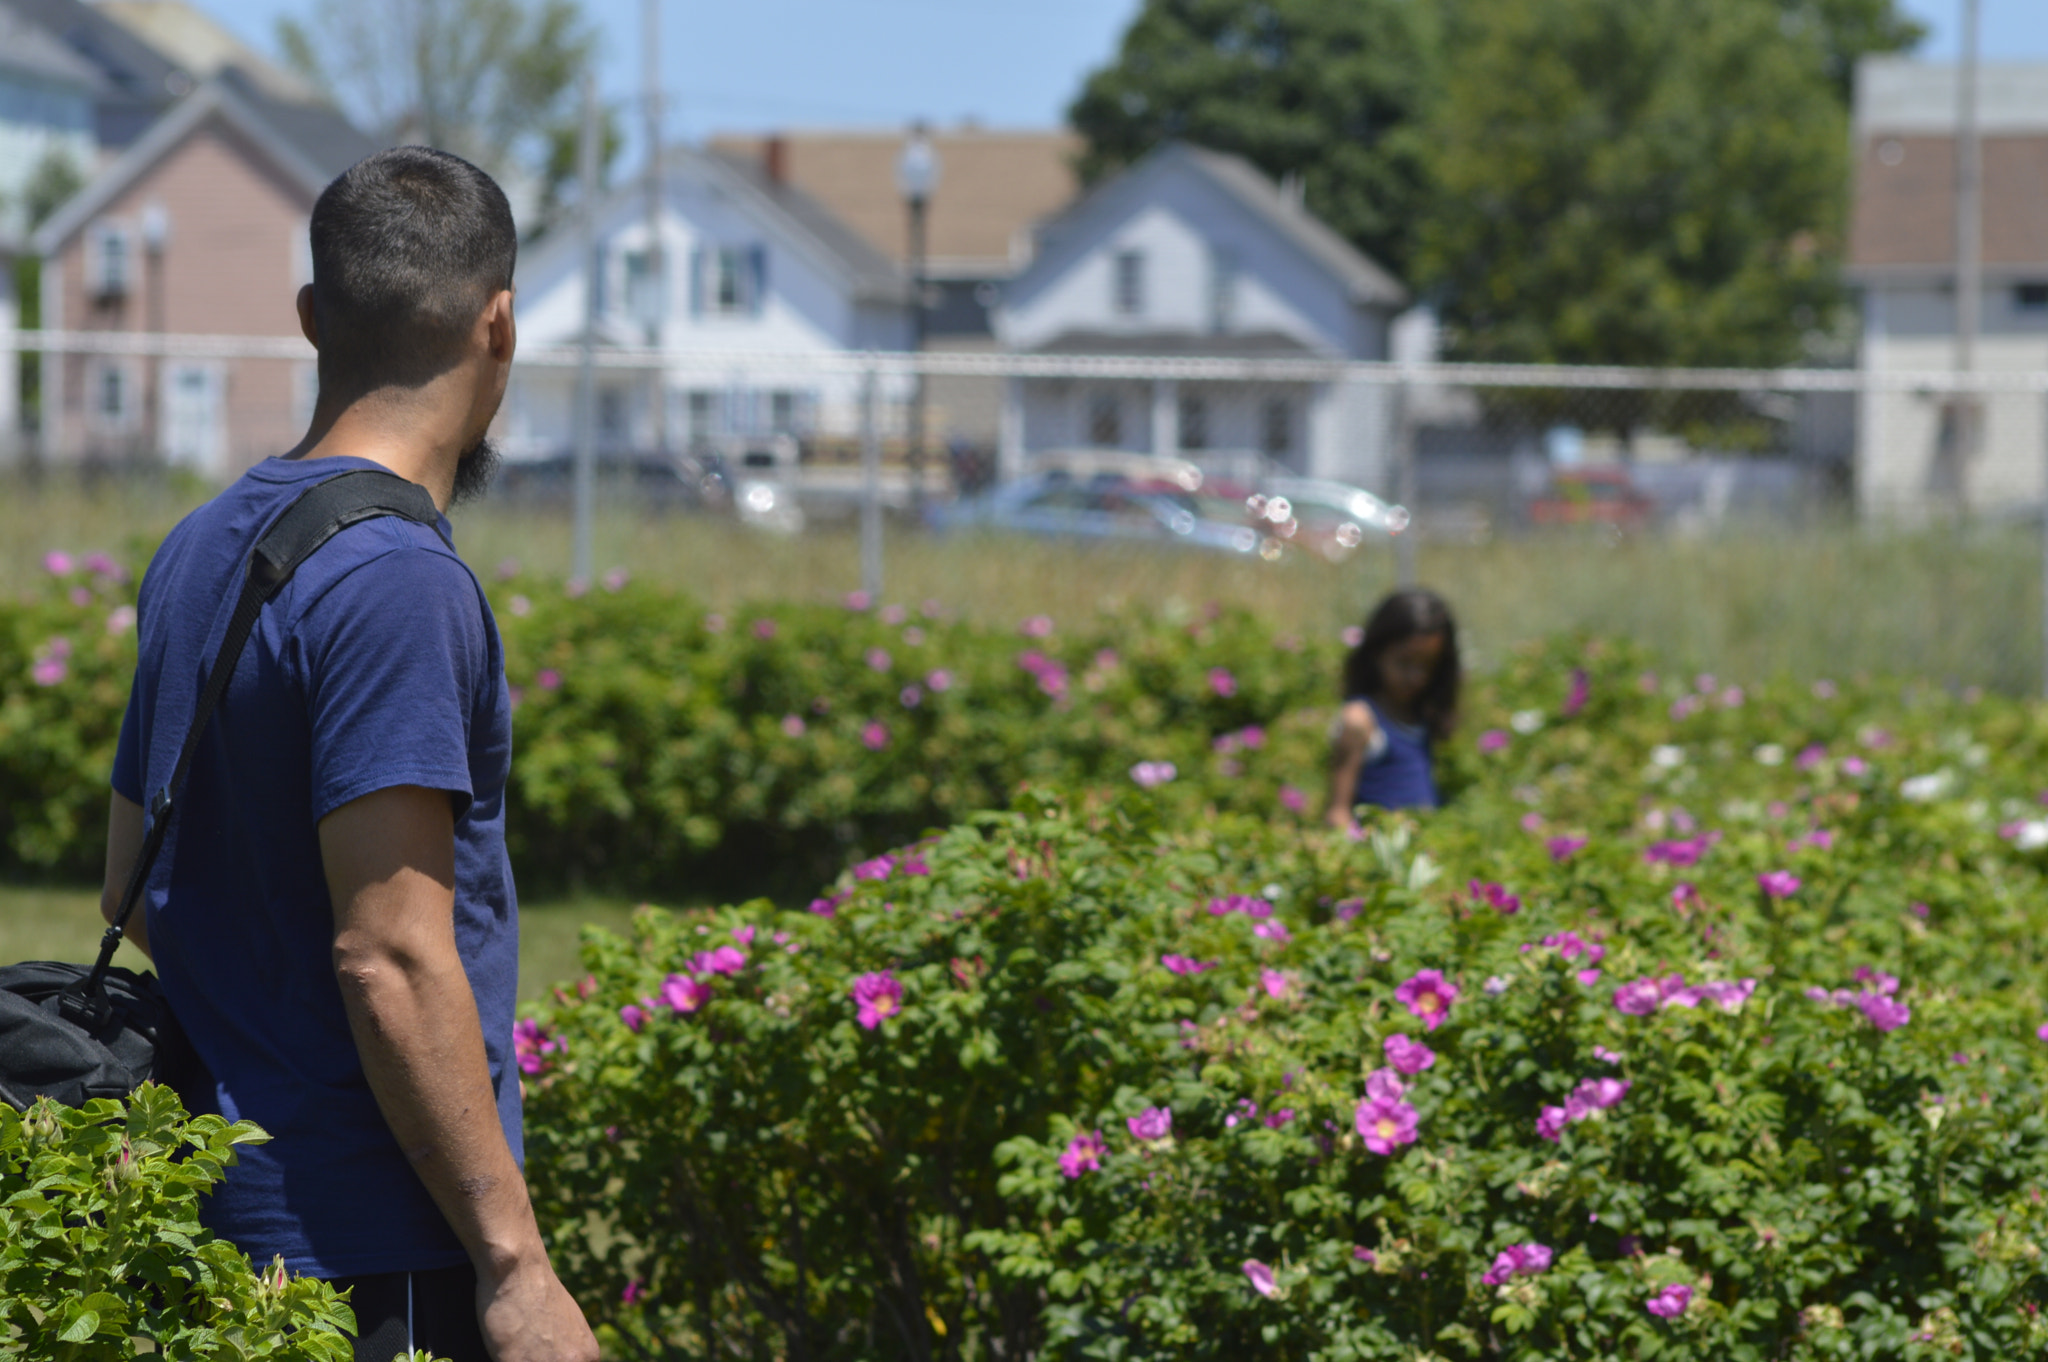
[(1400, 776)]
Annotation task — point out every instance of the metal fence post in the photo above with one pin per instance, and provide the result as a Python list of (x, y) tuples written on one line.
[(583, 488), (870, 483), (1404, 481)]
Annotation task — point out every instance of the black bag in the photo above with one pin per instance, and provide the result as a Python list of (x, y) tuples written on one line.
[(76, 1032)]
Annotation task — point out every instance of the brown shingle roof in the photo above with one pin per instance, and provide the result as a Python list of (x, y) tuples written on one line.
[(992, 186), (1905, 216)]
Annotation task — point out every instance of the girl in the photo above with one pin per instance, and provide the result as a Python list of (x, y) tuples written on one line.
[(1400, 698)]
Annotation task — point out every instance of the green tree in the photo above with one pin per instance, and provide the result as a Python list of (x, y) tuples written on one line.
[(1848, 30), (1635, 181), (1329, 90), (491, 80)]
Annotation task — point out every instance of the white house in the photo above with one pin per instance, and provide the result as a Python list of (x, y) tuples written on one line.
[(1913, 451), (1195, 254), (750, 266)]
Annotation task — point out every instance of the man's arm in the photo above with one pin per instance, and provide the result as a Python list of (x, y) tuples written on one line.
[(124, 844), (390, 863)]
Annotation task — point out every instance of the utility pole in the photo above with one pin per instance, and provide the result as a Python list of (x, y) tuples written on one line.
[(657, 273), (1969, 197), (917, 176), (584, 485)]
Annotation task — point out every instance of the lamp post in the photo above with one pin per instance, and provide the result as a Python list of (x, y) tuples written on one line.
[(156, 235), (917, 175)]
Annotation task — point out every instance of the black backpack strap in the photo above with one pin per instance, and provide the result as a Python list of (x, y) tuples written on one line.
[(320, 512)]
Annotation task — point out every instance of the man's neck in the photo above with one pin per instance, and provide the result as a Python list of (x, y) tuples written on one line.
[(413, 440)]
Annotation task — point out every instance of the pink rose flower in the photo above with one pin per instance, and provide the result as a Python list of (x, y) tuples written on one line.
[(682, 995), (1409, 1056), (1671, 1302), (1261, 1278), (1778, 884), (1084, 1154), (877, 997), (1385, 1124), (1429, 996), (1153, 1123)]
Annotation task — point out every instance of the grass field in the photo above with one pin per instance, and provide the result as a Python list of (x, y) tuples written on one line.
[(1961, 606), (64, 924)]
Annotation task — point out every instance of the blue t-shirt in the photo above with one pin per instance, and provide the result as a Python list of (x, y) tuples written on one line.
[(377, 665), (1402, 776)]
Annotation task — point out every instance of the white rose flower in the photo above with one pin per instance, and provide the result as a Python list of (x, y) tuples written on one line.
[(1666, 756), (1526, 721), (1771, 754), (1925, 789)]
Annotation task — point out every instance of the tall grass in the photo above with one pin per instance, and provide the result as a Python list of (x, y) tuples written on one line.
[(1962, 607)]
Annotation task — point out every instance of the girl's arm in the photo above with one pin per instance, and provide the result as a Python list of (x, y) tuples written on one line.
[(1351, 744)]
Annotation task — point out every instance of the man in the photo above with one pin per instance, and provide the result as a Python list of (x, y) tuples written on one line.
[(333, 916)]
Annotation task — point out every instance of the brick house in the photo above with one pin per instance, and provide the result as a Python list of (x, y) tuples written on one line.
[(199, 227), (1910, 458)]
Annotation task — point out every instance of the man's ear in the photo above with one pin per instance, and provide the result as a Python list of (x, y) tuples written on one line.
[(308, 328), (501, 334)]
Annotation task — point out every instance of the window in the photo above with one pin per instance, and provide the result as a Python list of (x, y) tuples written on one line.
[(2030, 297), (1130, 282), (1105, 421), (110, 393), (1276, 427), (700, 415), (106, 261), (611, 413), (729, 281), (1222, 290), (645, 299), (782, 413), (1194, 421)]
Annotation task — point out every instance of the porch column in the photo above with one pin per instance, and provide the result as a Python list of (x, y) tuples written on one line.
[(1165, 416), (1010, 431)]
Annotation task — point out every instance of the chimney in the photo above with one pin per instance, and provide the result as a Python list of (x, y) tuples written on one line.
[(775, 158)]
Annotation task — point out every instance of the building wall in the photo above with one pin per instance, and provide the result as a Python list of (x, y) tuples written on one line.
[(1904, 465), (1183, 226), (807, 310), (234, 261)]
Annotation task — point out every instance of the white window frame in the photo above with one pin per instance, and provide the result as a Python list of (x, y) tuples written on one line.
[(1127, 282), (110, 259), (128, 417)]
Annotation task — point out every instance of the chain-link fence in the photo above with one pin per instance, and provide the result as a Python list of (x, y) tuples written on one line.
[(1099, 446)]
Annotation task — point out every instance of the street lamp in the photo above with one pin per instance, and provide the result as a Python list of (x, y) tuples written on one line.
[(917, 175)]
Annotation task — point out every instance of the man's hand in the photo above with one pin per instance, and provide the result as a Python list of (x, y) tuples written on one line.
[(529, 1316), (390, 863)]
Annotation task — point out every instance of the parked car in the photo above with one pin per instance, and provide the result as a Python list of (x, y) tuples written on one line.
[(1084, 464), (1104, 507), (656, 481), (1593, 496), (1328, 518)]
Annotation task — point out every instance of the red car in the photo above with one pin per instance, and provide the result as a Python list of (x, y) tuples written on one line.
[(1593, 496)]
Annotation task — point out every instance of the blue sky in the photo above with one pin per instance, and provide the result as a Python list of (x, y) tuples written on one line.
[(744, 64)]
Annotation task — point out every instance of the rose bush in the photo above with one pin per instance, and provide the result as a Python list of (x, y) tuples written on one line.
[(1149, 1085), (101, 1249)]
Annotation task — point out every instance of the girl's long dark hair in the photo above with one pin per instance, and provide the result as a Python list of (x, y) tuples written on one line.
[(1402, 616)]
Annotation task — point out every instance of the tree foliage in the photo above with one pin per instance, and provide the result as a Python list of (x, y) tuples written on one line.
[(1635, 181), (494, 81), (1329, 90)]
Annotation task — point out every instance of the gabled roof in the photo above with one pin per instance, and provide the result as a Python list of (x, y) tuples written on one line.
[(310, 144), (31, 50), (129, 65), (993, 185), (868, 274), (202, 46), (1363, 280)]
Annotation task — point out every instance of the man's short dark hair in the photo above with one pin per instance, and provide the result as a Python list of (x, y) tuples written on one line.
[(409, 245)]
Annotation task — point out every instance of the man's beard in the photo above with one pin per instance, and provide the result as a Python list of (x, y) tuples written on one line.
[(474, 471)]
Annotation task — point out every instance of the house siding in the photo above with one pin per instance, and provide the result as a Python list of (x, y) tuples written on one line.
[(232, 266)]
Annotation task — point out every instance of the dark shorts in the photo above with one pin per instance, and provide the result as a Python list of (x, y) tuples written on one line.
[(432, 1311)]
